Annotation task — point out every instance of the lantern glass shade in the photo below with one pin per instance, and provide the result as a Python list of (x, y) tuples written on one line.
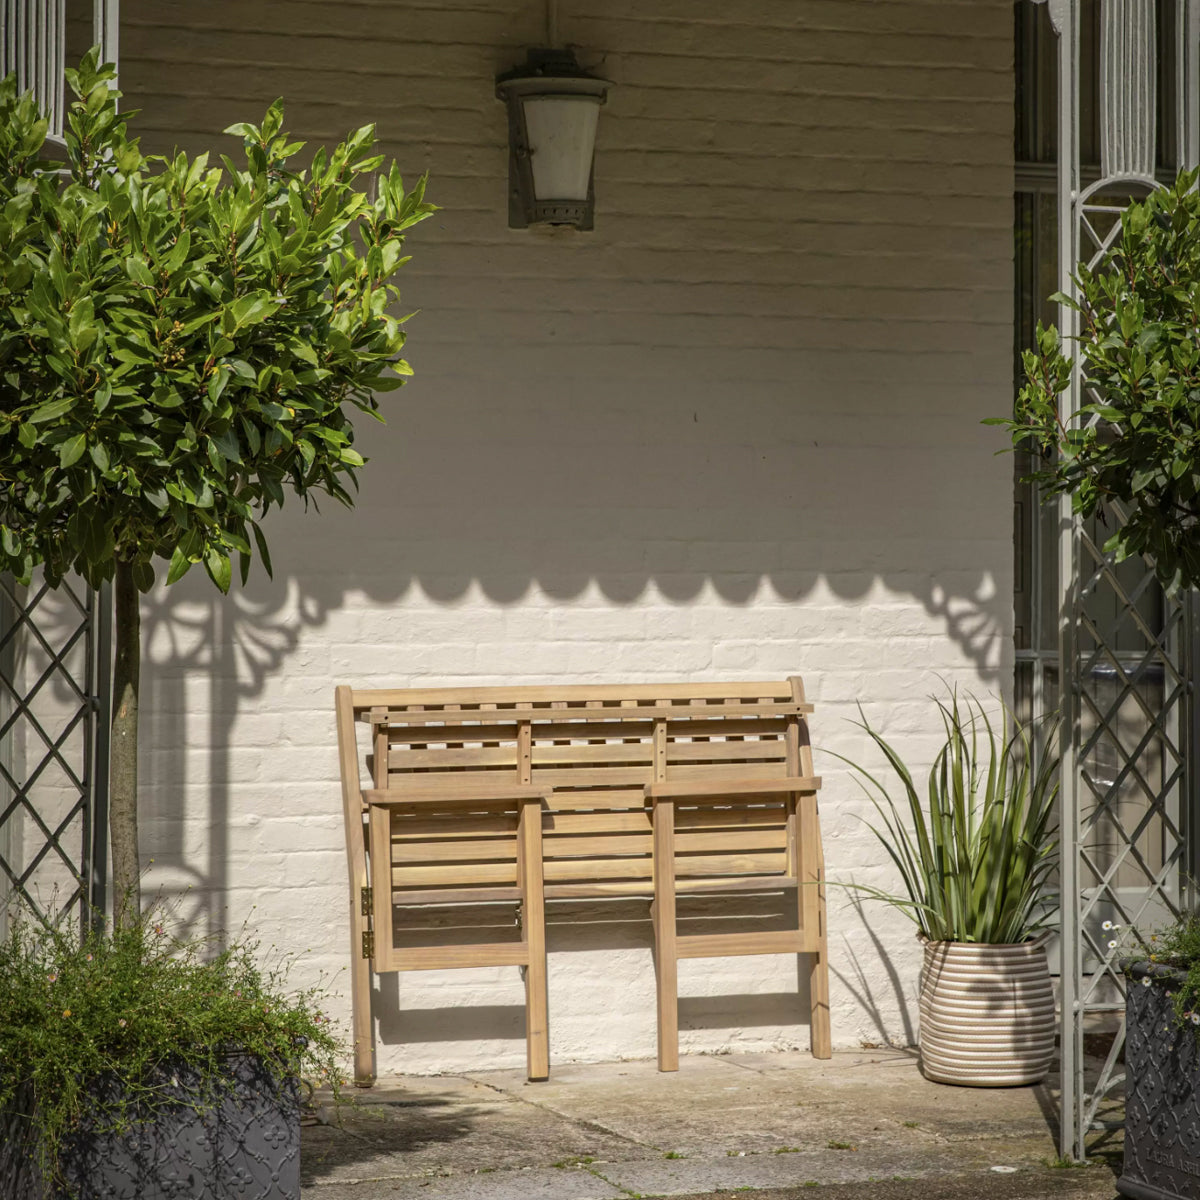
[(553, 109), (561, 132)]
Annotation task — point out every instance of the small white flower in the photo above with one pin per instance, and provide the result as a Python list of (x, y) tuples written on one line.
[(1112, 945), (1146, 981), (1106, 926), (1196, 1018)]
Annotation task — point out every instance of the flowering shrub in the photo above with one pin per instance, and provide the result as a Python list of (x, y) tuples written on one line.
[(122, 1004)]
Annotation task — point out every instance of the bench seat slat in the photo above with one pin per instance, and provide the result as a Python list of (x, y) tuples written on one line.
[(453, 895), (451, 827), (598, 890), (439, 958), (630, 888), (718, 945), (590, 846), (466, 826), (720, 786), (562, 801), (502, 785), (561, 870), (470, 790), (470, 874)]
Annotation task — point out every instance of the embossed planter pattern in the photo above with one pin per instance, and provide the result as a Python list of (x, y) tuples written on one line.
[(987, 1014), (242, 1140), (1162, 1090)]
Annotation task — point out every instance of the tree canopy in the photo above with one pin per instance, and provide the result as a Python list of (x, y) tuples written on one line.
[(183, 343)]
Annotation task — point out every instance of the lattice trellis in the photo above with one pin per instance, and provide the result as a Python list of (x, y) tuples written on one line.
[(1128, 653), (1126, 650), (54, 643), (53, 761)]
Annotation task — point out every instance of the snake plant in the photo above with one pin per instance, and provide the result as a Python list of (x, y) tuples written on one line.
[(975, 853)]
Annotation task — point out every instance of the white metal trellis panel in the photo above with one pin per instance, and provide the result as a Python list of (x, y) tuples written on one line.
[(54, 706), (32, 41), (54, 643), (1126, 651)]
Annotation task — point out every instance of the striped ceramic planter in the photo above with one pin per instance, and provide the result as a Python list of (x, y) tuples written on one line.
[(987, 1014)]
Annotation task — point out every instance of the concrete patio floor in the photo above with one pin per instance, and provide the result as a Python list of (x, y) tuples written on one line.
[(864, 1124)]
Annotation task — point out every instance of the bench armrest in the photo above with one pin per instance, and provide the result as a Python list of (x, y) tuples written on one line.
[(467, 794), (720, 788)]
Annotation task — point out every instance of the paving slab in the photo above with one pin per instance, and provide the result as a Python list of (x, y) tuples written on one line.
[(728, 1104), (504, 1185), (779, 1125), (426, 1127), (1042, 1184)]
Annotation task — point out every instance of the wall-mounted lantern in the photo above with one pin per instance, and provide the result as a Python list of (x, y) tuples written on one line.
[(553, 106)]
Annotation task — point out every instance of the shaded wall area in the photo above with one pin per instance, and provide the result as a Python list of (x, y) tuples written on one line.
[(733, 432)]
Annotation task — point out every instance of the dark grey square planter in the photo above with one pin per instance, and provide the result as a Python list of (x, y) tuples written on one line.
[(1162, 1090), (237, 1140)]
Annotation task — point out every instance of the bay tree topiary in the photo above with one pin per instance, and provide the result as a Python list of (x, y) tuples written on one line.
[(181, 345), (1136, 441)]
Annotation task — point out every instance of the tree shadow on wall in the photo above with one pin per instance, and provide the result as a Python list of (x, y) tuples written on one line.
[(538, 509)]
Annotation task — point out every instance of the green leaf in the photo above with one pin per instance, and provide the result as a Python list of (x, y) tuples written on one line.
[(136, 269), (250, 310), (227, 443), (218, 567), (81, 316), (143, 576), (263, 552), (180, 565), (71, 451), (51, 410)]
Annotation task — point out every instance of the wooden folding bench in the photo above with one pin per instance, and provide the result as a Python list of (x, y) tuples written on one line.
[(523, 795)]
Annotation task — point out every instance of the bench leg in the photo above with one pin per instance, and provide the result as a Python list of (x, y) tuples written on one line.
[(812, 907), (361, 1022), (533, 934), (666, 969)]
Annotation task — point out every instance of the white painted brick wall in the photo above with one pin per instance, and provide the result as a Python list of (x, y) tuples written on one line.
[(733, 432)]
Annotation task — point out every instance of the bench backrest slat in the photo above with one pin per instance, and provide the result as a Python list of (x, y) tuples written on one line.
[(574, 694)]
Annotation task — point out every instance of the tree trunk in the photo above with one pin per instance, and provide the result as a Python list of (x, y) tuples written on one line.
[(123, 789)]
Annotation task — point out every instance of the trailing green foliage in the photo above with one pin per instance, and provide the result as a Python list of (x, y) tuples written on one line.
[(974, 856), (123, 1003), (181, 344), (1178, 946), (1138, 442)]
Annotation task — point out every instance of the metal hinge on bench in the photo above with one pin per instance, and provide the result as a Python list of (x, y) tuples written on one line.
[(368, 901), (368, 945)]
